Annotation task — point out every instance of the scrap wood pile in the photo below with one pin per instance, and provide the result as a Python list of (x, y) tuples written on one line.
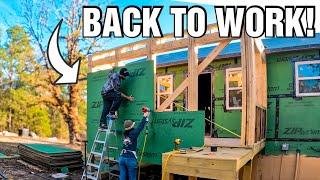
[(50, 157)]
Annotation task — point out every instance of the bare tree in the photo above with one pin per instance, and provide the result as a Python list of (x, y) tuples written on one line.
[(40, 17)]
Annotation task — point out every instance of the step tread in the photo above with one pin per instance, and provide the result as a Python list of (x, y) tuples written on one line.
[(93, 165)]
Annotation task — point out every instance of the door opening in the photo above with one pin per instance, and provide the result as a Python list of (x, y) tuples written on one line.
[(205, 100)]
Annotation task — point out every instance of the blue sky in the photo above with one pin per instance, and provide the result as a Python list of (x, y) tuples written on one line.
[(11, 9), (8, 15)]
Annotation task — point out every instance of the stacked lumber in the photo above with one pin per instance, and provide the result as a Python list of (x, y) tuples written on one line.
[(50, 157)]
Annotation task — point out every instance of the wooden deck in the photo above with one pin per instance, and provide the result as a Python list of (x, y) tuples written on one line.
[(224, 164)]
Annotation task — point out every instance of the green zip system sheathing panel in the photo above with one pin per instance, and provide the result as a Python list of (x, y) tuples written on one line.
[(49, 149), (2, 155), (299, 118), (228, 119), (290, 120), (50, 156), (164, 127), (271, 117)]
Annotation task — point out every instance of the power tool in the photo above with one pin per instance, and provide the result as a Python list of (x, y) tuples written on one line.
[(176, 143), (145, 109)]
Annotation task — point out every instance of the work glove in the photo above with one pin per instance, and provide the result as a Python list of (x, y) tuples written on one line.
[(146, 115)]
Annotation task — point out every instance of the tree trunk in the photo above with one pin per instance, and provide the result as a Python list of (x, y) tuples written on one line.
[(73, 111), (10, 121), (72, 134)]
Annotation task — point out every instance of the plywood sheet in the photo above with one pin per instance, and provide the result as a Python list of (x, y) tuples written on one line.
[(283, 167), (163, 128), (299, 118)]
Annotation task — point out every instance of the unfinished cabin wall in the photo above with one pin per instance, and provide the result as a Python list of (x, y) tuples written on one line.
[(291, 120), (230, 119), (227, 118)]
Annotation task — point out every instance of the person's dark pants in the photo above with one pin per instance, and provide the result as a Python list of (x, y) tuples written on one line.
[(128, 168), (111, 103)]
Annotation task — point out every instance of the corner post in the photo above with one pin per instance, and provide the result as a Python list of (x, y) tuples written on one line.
[(153, 57), (248, 90), (193, 75)]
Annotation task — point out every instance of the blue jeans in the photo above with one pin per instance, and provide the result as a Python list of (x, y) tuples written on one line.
[(128, 168)]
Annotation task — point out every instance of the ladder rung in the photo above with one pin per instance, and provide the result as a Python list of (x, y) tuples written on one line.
[(91, 177), (96, 153), (111, 130), (98, 141), (93, 165), (104, 130), (99, 135)]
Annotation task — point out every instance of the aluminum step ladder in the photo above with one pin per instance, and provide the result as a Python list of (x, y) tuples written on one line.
[(92, 169)]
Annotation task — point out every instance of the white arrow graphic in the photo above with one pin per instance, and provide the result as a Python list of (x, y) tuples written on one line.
[(68, 75)]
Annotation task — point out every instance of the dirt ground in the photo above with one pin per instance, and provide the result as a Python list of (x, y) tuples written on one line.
[(15, 168)]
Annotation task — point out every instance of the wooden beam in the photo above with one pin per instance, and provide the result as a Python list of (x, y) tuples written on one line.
[(260, 47), (170, 46), (252, 92), (153, 57), (99, 58), (193, 76), (116, 54), (192, 178), (214, 53), (149, 49), (248, 90), (209, 38), (144, 42), (174, 95), (244, 122), (247, 171), (90, 63)]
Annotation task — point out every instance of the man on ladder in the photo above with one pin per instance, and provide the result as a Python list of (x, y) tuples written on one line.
[(112, 96)]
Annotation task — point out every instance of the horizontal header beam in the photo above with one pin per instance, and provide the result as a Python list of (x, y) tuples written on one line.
[(158, 45)]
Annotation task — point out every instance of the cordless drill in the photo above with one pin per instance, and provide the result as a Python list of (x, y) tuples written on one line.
[(144, 110)]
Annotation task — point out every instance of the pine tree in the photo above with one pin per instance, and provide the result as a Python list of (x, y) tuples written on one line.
[(20, 106)]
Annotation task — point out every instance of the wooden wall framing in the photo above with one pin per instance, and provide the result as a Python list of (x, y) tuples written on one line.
[(254, 90), (253, 68)]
